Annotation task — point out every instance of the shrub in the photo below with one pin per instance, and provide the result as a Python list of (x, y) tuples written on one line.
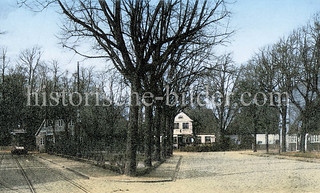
[(201, 148)]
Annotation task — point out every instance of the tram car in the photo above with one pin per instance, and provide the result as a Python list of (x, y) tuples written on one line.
[(19, 142)]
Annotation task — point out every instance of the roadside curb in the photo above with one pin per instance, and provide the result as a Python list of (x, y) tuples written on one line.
[(152, 180), (69, 169), (142, 180), (138, 179), (175, 175), (78, 173)]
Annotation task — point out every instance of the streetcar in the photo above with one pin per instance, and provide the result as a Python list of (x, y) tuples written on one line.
[(19, 142)]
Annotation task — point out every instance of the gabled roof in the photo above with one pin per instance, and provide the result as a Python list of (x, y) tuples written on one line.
[(40, 128), (184, 116)]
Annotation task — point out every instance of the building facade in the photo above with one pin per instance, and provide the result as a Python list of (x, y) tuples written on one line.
[(183, 132), (45, 134)]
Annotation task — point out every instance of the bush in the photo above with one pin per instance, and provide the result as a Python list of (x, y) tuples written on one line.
[(226, 145), (201, 148)]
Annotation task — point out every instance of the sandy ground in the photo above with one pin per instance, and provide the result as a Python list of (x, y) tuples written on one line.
[(229, 172), (199, 172)]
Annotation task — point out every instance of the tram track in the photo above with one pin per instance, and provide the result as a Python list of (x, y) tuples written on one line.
[(3, 184), (23, 172), (30, 178), (1, 158), (65, 178)]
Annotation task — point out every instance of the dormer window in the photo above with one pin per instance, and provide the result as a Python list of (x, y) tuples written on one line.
[(60, 123)]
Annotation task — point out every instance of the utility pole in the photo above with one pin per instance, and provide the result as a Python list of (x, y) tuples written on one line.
[(3, 71), (77, 130), (78, 78)]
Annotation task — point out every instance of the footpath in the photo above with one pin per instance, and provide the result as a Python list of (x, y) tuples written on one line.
[(166, 172)]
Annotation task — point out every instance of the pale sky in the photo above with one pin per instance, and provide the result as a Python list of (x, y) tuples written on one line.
[(257, 23)]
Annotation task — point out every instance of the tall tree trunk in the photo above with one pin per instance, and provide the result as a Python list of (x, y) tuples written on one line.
[(141, 130), (164, 122), (66, 133), (3, 75), (169, 116), (255, 133), (222, 131), (131, 149), (157, 133), (54, 135), (3, 66), (267, 142), (148, 133), (284, 127), (303, 136)]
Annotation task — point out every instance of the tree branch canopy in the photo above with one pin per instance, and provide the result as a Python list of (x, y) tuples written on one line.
[(140, 36), (148, 42)]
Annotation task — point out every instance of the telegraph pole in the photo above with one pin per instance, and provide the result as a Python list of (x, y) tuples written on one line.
[(77, 130)]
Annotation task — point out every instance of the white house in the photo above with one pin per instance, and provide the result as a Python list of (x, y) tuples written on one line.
[(292, 142), (312, 142), (272, 138), (183, 132)]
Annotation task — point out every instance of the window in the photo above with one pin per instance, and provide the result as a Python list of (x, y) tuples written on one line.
[(292, 139), (315, 139), (180, 117), (189, 140), (175, 140), (185, 125), (60, 123), (176, 125), (199, 139), (49, 122), (259, 142), (41, 141), (207, 139)]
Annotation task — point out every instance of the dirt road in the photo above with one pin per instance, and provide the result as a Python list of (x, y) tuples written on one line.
[(197, 172)]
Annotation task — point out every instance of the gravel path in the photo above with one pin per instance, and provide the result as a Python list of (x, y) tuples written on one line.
[(231, 172), (197, 172)]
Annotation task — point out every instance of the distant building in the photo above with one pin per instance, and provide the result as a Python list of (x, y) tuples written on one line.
[(292, 142), (272, 139), (312, 142), (183, 132), (44, 135), (236, 139)]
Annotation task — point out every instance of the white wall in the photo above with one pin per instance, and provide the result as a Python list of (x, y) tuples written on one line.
[(203, 138), (180, 119), (262, 138)]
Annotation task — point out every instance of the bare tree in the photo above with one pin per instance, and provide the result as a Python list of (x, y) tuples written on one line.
[(275, 79), (305, 88), (285, 75), (140, 37), (31, 59), (4, 65), (222, 83)]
